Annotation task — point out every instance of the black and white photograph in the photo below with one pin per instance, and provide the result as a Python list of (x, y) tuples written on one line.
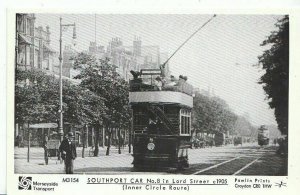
[(151, 94)]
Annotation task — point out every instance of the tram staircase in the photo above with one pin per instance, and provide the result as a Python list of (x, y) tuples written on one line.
[(156, 111)]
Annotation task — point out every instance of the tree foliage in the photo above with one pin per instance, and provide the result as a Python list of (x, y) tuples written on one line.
[(36, 97), (81, 106), (37, 100), (100, 100), (243, 127), (100, 77), (275, 61), (212, 114)]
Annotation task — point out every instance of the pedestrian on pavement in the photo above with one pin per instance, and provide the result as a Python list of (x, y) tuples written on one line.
[(68, 153)]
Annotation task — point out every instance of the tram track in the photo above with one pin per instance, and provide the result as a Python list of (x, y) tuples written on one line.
[(233, 166), (246, 166)]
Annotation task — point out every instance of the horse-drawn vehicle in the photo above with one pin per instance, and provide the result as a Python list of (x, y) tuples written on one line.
[(237, 140)]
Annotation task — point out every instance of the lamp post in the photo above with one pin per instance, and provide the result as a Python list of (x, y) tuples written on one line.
[(61, 132)]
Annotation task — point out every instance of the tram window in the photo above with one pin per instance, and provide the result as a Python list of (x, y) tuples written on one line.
[(185, 119), (182, 124), (186, 125)]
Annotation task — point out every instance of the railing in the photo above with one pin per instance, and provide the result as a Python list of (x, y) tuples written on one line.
[(181, 86)]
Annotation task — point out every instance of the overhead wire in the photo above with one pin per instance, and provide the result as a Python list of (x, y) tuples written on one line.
[(163, 65)]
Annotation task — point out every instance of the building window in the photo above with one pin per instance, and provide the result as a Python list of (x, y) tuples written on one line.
[(29, 27), (20, 23), (185, 122)]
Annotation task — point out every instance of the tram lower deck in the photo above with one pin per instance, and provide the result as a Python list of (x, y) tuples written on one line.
[(156, 151), (162, 134)]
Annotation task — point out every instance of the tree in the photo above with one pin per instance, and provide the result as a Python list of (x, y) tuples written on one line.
[(81, 106), (101, 78), (243, 127), (275, 81), (37, 100), (36, 97), (212, 114)]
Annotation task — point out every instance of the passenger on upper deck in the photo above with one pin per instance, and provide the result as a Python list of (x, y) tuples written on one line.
[(142, 82), (185, 78), (135, 74), (172, 85), (158, 83), (163, 71), (181, 80), (172, 81)]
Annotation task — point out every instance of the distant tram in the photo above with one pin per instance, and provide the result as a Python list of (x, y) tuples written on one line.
[(161, 121), (263, 135)]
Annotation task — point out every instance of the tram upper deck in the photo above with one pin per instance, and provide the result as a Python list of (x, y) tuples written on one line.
[(151, 88), (160, 107)]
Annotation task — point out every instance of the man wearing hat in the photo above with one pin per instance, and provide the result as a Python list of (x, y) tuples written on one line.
[(68, 153)]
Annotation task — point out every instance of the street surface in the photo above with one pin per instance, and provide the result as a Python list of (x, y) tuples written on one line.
[(249, 159)]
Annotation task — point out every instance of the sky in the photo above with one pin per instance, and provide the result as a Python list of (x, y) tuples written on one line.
[(221, 56)]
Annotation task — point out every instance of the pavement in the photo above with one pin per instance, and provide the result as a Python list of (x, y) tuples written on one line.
[(37, 164), (248, 159)]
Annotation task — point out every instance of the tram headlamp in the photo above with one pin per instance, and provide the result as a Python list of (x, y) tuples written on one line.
[(151, 140), (151, 146)]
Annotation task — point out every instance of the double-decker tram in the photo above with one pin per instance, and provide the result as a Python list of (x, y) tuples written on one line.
[(161, 122), (161, 112), (263, 135)]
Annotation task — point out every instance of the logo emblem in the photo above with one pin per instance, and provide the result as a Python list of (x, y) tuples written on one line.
[(280, 184), (25, 183)]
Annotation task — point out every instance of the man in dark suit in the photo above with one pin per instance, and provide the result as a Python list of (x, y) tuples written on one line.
[(68, 153)]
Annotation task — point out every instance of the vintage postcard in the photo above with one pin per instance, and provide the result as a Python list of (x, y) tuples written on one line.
[(177, 102)]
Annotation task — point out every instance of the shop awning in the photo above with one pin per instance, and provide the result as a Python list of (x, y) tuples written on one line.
[(24, 40), (48, 48)]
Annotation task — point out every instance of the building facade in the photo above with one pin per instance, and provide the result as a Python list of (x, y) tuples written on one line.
[(124, 58), (67, 63), (45, 57), (134, 57), (24, 55), (32, 50), (33, 45)]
